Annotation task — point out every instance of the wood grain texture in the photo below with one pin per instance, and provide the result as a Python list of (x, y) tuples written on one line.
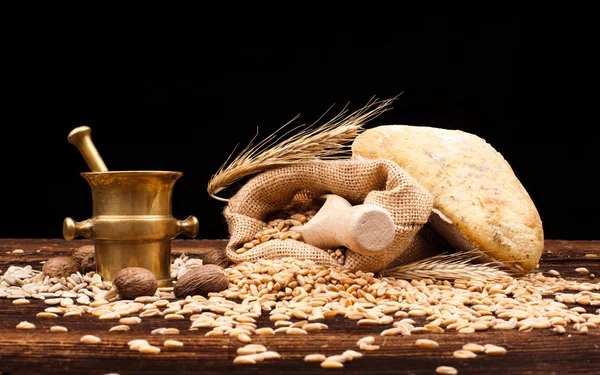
[(42, 352)]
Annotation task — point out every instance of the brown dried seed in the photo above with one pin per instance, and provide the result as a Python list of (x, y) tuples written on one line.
[(133, 282), (60, 266), (201, 281)]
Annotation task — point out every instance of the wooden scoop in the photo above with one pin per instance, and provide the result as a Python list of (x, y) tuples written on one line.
[(365, 228)]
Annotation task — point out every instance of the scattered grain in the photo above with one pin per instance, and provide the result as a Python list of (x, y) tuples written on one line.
[(446, 370), (314, 358), (149, 349), (172, 344), (331, 364), (58, 329), (426, 343), (464, 354), (475, 348), (90, 339), (25, 325), (494, 349)]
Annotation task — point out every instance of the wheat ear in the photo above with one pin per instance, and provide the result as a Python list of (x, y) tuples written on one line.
[(448, 266), (328, 141)]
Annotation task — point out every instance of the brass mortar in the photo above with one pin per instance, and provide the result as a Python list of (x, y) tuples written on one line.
[(132, 223)]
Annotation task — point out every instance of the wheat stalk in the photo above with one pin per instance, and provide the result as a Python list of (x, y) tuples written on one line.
[(448, 266), (328, 141)]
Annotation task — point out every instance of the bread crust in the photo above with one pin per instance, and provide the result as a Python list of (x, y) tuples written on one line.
[(473, 186)]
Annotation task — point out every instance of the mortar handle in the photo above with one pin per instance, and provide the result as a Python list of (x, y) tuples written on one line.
[(189, 226), (365, 228), (72, 229), (80, 137)]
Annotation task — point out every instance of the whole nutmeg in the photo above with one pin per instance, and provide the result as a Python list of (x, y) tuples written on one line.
[(201, 280), (60, 266), (86, 256), (133, 282)]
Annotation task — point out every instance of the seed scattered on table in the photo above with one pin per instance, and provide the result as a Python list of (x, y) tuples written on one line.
[(60, 329), (244, 360), (46, 315), (365, 340), (475, 348), (582, 270), (314, 358), (18, 251), (149, 349), (494, 349), (591, 256), (426, 343), (119, 328), (351, 354), (264, 331), (553, 273), (369, 347), (25, 325), (337, 358), (461, 353), (90, 339), (331, 364), (173, 344), (446, 370), (242, 337), (21, 301), (137, 344)]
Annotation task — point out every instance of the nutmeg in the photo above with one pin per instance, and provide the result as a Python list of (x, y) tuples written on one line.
[(86, 256), (133, 282), (60, 266), (201, 280)]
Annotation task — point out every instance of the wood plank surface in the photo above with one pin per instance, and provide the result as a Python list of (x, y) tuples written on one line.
[(38, 351)]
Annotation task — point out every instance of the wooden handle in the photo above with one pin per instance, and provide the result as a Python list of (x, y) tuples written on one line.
[(365, 228)]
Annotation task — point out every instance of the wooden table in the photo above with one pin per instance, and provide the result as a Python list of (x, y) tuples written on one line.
[(41, 352)]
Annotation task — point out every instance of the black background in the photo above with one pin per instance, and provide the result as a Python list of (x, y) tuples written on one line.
[(164, 97)]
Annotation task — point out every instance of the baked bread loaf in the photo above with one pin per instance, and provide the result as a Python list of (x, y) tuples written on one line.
[(479, 203)]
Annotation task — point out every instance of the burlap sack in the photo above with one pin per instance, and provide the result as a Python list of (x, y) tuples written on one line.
[(380, 182)]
